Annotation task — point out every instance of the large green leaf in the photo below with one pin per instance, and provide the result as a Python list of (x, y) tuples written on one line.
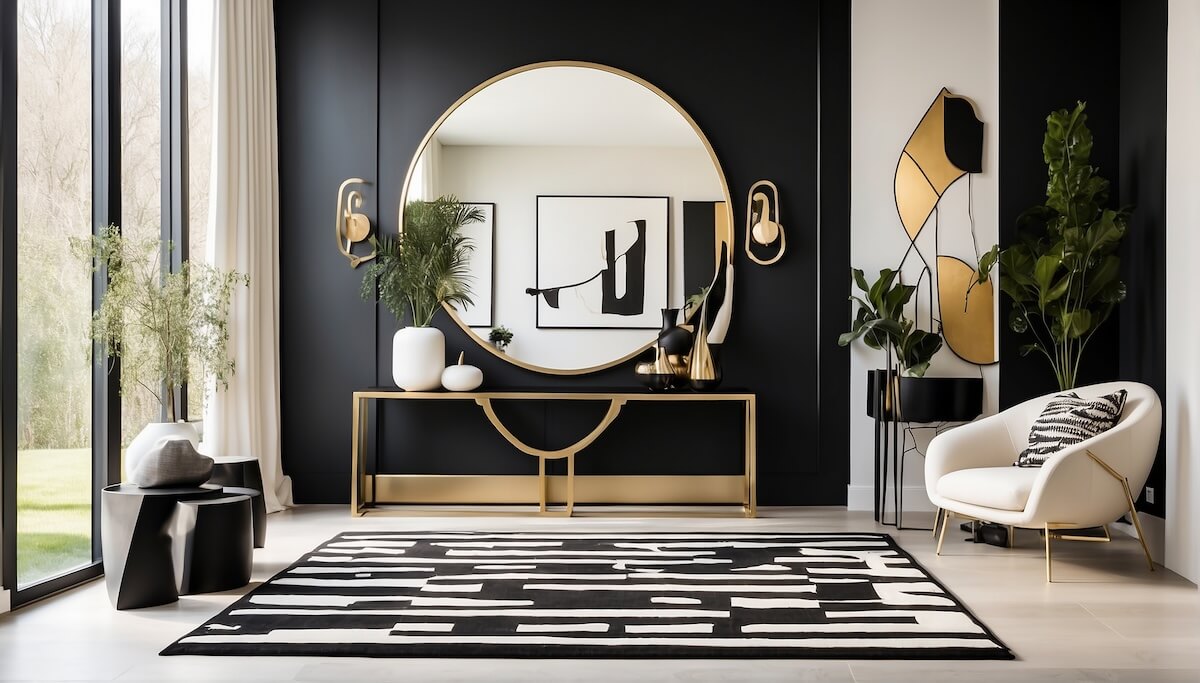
[(1102, 276), (1043, 275), (860, 279), (881, 287), (1078, 323)]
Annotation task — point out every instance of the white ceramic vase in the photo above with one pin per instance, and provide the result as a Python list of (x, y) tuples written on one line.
[(418, 358), (150, 435)]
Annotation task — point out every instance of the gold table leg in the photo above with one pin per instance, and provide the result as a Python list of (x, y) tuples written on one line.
[(355, 458), (543, 482), (750, 502)]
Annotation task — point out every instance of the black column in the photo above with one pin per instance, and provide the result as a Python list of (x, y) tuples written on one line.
[(8, 290), (174, 151), (1143, 172), (106, 211)]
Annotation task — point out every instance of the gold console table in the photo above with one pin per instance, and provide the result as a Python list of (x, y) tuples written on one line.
[(370, 490)]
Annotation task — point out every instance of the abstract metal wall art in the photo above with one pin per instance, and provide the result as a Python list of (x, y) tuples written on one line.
[(946, 145)]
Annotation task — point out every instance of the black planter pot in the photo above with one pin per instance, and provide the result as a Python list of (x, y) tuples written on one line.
[(927, 399)]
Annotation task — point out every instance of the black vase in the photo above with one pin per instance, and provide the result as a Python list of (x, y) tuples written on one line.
[(673, 339)]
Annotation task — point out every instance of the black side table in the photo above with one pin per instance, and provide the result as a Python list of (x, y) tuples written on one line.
[(140, 529)]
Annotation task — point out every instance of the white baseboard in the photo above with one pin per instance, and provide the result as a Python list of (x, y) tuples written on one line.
[(860, 497), (1156, 534), (5, 604)]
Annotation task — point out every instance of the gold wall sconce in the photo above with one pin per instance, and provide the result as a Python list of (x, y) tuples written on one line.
[(351, 227), (762, 220)]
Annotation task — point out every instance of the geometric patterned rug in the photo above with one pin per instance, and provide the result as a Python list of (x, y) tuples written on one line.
[(559, 595)]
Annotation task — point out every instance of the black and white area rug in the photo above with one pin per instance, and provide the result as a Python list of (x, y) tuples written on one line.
[(552, 595)]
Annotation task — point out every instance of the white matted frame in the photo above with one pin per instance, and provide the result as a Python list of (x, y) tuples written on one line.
[(482, 266), (602, 261)]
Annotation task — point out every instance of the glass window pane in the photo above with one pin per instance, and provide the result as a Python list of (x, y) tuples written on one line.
[(141, 164), (199, 62), (54, 297)]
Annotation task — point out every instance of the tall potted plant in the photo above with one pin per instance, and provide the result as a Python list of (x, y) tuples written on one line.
[(1063, 275), (167, 329), (416, 272)]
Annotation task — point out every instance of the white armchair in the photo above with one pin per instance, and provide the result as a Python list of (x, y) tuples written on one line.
[(969, 471)]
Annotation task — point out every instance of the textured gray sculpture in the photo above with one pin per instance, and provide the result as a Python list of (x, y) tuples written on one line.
[(172, 462)]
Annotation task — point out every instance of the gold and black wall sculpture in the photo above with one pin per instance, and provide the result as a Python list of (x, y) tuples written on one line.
[(946, 145)]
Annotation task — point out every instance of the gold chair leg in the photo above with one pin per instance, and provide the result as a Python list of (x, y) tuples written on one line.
[(1049, 571), (946, 515), (1011, 533), (1137, 522)]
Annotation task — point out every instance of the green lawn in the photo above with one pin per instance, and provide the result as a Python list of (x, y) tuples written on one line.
[(54, 512)]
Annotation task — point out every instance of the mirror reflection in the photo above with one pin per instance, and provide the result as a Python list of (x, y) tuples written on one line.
[(602, 203)]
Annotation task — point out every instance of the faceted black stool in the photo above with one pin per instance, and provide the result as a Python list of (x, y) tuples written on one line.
[(135, 532), (244, 473), (213, 544)]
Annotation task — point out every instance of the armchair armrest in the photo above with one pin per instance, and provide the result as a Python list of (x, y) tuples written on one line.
[(983, 443)]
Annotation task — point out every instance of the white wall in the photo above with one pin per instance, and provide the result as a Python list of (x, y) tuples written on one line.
[(1182, 409), (902, 54), (512, 177)]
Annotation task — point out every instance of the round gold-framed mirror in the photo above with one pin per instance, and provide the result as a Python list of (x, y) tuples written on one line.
[(603, 202)]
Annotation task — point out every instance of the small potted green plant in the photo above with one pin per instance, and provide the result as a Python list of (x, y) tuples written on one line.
[(167, 329), (881, 324), (500, 337), (413, 275)]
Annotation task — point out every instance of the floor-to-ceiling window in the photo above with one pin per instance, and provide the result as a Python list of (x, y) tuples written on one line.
[(141, 166), (85, 98), (54, 290)]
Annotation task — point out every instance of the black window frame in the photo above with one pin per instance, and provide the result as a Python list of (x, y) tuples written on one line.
[(106, 210)]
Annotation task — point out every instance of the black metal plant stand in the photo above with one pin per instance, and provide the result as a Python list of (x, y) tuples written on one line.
[(932, 401)]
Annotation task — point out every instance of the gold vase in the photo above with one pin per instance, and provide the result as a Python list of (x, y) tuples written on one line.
[(658, 374), (703, 372)]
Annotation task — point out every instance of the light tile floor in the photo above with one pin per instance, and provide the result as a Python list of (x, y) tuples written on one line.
[(1108, 620)]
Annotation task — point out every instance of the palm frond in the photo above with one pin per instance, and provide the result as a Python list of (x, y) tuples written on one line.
[(426, 265)]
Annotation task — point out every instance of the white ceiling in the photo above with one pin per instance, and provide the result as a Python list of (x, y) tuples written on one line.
[(567, 106)]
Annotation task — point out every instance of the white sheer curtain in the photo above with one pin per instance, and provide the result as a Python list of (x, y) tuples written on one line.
[(244, 236)]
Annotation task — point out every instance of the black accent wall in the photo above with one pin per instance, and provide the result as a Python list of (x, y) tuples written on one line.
[(361, 82), (1113, 57), (1143, 171), (1029, 91)]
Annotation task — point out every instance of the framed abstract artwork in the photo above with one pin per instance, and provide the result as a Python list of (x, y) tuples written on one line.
[(601, 262), (481, 265)]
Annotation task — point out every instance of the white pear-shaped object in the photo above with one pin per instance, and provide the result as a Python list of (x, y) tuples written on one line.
[(418, 357), (462, 377)]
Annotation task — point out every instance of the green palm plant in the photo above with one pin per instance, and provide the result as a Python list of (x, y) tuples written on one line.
[(427, 264)]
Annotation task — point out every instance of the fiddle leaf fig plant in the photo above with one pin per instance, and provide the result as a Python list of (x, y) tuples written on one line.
[(881, 324), (1063, 275)]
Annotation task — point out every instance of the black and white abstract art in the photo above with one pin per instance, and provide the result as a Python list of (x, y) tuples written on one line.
[(601, 262), (481, 265), (552, 595)]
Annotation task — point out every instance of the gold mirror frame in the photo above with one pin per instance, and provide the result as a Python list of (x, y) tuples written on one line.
[(727, 228)]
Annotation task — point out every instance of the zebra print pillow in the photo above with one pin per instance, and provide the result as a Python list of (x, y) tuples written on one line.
[(1066, 421)]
